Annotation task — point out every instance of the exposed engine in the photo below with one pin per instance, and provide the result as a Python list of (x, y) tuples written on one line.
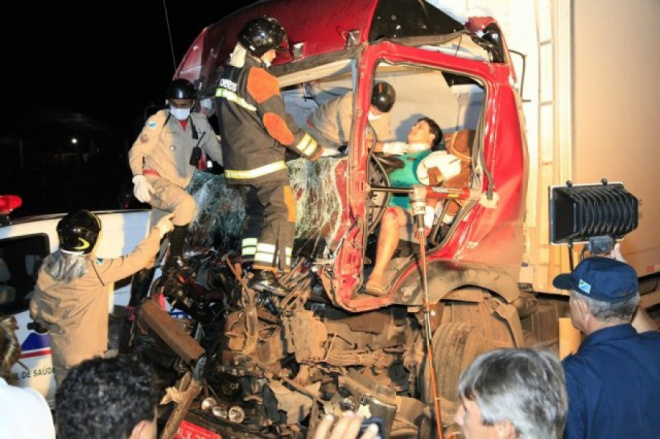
[(273, 365)]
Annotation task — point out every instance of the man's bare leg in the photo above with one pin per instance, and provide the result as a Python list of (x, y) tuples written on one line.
[(388, 239)]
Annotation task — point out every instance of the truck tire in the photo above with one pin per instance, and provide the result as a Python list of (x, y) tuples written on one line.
[(455, 345)]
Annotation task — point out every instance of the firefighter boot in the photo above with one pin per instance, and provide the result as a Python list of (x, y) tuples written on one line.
[(175, 258), (140, 285), (264, 280)]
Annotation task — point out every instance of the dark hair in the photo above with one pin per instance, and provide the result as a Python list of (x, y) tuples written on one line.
[(10, 349), (434, 129), (104, 398)]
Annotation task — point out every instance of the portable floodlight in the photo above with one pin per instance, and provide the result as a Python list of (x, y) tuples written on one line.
[(584, 213)]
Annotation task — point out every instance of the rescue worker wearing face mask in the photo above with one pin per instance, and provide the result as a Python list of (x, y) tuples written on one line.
[(164, 157), (256, 133), (330, 124), (71, 296)]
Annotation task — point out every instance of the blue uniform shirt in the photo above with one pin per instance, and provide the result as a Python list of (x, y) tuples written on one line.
[(613, 385)]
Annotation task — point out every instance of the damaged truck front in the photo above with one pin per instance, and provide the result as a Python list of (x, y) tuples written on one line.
[(271, 366)]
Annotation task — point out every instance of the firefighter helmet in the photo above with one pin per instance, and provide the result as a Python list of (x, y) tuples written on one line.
[(78, 231), (383, 96), (261, 35), (181, 89)]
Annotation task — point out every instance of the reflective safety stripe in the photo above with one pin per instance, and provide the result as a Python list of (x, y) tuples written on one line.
[(307, 145), (231, 96), (249, 246), (288, 252), (265, 253), (266, 248), (257, 172)]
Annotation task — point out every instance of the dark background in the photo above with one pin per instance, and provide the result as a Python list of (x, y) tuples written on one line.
[(86, 70)]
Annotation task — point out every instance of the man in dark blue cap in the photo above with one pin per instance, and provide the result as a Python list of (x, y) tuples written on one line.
[(613, 381)]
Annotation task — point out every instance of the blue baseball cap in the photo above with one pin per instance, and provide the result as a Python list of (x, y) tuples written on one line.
[(604, 279)]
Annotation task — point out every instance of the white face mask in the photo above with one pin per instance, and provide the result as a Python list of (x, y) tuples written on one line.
[(372, 116), (180, 113)]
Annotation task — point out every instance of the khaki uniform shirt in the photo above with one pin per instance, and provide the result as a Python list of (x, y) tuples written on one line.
[(331, 123), (76, 313), (166, 148)]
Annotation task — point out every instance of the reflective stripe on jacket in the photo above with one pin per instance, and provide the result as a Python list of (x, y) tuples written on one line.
[(255, 129)]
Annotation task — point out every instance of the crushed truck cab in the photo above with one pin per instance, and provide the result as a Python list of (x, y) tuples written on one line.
[(274, 364), (440, 69), (240, 363)]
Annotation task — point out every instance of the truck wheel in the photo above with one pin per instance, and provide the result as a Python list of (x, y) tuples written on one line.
[(455, 345)]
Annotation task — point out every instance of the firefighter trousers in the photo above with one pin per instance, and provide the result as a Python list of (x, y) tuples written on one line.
[(269, 225)]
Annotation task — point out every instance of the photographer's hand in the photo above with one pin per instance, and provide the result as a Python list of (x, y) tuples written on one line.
[(347, 427)]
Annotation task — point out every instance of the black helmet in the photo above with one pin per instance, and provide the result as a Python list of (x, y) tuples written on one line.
[(261, 35), (78, 231), (383, 96), (181, 89)]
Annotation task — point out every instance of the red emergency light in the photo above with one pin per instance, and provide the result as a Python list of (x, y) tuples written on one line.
[(9, 203)]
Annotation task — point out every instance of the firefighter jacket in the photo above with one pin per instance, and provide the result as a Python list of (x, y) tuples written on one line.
[(76, 312), (164, 147), (255, 129)]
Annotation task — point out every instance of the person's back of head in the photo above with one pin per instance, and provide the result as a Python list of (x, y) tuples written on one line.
[(261, 35), (383, 96), (609, 288), (522, 387), (10, 349), (110, 398)]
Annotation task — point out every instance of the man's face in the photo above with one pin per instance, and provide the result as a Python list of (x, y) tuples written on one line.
[(576, 315), (269, 56), (420, 133), (468, 417)]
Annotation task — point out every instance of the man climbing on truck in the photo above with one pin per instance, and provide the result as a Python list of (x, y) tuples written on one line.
[(256, 132)]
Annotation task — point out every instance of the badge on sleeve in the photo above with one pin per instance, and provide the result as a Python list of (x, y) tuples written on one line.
[(152, 124), (98, 261)]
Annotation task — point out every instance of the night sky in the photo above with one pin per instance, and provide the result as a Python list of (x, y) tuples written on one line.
[(100, 64)]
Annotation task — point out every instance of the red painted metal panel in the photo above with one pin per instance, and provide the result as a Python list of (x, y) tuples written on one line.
[(323, 29)]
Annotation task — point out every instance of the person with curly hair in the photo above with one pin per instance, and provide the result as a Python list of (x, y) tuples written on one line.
[(107, 398), (24, 413)]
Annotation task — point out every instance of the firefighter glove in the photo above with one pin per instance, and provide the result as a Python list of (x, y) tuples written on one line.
[(142, 188), (395, 148), (164, 225)]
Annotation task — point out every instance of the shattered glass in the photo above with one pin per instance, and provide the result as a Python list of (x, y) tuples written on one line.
[(220, 209)]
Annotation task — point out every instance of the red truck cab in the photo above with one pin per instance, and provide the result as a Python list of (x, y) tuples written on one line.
[(459, 75), (329, 340)]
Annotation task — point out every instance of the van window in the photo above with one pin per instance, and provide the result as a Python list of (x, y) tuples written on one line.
[(20, 259)]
